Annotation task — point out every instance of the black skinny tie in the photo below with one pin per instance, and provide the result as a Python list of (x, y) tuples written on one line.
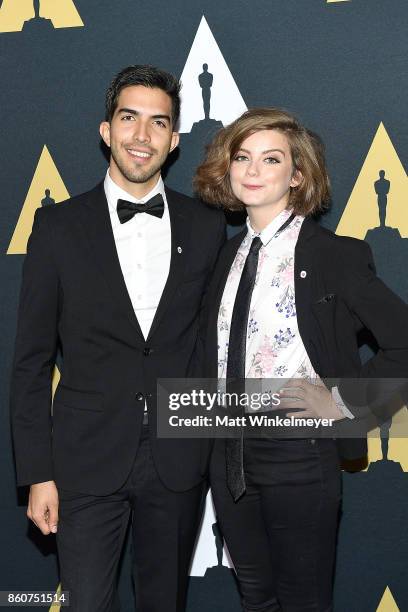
[(236, 363)]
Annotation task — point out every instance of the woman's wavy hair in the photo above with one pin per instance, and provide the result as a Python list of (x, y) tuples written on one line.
[(312, 195)]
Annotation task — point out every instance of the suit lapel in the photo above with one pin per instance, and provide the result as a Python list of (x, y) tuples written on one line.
[(99, 230), (180, 223)]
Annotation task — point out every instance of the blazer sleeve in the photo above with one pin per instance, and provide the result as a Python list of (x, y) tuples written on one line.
[(385, 315), (34, 358)]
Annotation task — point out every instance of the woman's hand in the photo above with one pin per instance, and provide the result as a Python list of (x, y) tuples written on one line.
[(311, 400)]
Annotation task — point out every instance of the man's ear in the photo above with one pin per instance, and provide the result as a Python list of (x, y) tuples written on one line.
[(297, 178), (175, 139), (104, 130)]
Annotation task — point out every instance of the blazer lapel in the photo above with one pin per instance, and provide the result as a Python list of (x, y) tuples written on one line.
[(304, 283), (180, 223), (99, 230)]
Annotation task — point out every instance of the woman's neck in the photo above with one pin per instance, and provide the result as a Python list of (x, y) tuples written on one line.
[(261, 216)]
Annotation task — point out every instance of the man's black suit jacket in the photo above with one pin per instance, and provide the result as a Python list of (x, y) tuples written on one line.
[(337, 294), (74, 296)]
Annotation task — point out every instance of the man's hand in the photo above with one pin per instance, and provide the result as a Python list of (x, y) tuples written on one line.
[(311, 400), (43, 506)]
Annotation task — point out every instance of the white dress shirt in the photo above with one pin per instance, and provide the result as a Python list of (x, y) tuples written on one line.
[(143, 245)]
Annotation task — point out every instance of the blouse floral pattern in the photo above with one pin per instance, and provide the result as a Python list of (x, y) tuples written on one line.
[(274, 346)]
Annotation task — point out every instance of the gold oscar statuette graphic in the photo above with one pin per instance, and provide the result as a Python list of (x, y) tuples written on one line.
[(381, 165), (387, 603), (378, 203), (18, 15), (47, 188), (391, 439)]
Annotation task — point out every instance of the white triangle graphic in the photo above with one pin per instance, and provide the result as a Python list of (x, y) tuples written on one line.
[(226, 102), (205, 555)]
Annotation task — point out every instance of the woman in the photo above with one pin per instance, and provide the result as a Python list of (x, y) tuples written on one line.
[(286, 300)]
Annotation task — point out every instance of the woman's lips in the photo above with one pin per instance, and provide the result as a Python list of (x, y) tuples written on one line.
[(253, 187)]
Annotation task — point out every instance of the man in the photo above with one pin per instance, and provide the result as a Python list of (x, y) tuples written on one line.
[(115, 277)]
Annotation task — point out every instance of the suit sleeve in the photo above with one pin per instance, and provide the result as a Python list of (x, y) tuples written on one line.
[(198, 368), (34, 358), (385, 315)]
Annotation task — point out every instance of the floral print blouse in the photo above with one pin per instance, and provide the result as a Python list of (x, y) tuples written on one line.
[(274, 346)]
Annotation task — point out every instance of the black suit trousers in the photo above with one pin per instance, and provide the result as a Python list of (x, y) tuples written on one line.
[(281, 533), (164, 526)]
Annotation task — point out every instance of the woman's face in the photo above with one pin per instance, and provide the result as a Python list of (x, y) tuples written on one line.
[(261, 172)]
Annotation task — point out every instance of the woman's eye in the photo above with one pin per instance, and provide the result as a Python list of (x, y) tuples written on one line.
[(240, 158), (272, 160)]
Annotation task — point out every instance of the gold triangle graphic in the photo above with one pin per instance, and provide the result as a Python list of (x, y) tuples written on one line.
[(15, 13), (55, 380), (397, 441), (362, 210), (55, 607), (46, 186), (387, 603)]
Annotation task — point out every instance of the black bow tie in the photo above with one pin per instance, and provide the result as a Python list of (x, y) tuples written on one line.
[(127, 210)]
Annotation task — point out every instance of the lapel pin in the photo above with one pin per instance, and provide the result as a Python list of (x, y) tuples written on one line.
[(303, 274), (179, 249)]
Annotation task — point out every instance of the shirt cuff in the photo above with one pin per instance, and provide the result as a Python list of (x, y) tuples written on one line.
[(340, 404)]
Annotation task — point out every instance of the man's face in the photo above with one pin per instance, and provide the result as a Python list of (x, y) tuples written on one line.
[(140, 136)]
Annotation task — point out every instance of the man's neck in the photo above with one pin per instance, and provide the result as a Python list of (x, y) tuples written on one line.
[(136, 190)]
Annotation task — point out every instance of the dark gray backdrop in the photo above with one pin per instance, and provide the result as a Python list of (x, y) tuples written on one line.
[(342, 68)]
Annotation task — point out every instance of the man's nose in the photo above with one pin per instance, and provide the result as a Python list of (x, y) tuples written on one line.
[(142, 132)]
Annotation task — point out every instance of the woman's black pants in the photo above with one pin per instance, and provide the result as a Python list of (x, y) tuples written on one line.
[(281, 534)]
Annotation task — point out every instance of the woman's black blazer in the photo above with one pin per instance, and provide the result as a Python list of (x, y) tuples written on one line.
[(337, 295)]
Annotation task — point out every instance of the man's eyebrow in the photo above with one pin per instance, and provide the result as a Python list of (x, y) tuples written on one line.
[(132, 111), (161, 117)]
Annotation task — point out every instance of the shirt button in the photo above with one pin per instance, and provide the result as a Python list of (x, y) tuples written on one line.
[(139, 266), (303, 274), (139, 234), (139, 396), (139, 297), (312, 441)]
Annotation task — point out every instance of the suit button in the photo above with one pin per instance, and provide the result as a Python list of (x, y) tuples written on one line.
[(139, 397), (147, 351)]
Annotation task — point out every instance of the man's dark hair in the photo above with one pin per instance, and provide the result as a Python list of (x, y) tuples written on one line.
[(148, 76)]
